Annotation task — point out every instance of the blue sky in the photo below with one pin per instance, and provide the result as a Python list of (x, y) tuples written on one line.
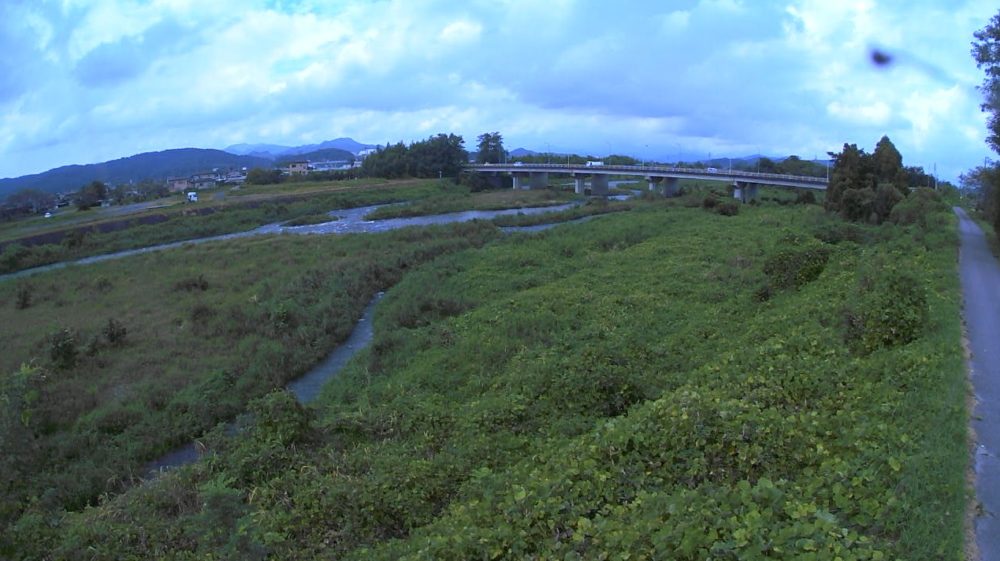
[(88, 81)]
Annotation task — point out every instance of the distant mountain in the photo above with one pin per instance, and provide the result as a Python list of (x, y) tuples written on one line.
[(348, 144), (150, 165), (275, 151), (253, 149), (522, 152), (327, 154)]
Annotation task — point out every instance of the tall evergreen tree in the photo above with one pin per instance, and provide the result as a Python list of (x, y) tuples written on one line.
[(490, 148), (888, 163), (848, 173)]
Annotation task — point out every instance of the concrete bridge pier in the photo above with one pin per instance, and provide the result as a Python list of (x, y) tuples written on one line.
[(579, 185), (539, 180), (744, 192), (599, 185), (666, 186), (670, 188), (530, 180)]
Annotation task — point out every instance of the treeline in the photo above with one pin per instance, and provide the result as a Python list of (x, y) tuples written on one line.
[(442, 155), (576, 159), (35, 201), (792, 165), (869, 187)]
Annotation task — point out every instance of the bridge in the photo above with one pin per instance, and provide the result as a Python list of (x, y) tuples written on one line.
[(660, 178)]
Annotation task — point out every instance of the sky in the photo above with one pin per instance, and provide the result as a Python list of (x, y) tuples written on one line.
[(85, 81)]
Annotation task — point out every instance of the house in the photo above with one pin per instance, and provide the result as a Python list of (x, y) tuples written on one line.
[(235, 177), (300, 167), (177, 184), (203, 183)]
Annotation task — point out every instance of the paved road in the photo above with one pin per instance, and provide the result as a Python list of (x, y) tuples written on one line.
[(981, 288)]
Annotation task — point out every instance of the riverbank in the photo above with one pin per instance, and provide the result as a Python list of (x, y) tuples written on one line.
[(634, 384)]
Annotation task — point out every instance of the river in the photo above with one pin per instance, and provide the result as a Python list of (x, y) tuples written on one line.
[(343, 221)]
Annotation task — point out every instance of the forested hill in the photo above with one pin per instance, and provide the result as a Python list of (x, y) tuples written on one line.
[(150, 165)]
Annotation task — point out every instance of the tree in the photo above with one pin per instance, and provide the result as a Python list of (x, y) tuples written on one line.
[(261, 176), (30, 200), (986, 52), (984, 183), (850, 171), (888, 163), (91, 194), (490, 148), (766, 165), (439, 155)]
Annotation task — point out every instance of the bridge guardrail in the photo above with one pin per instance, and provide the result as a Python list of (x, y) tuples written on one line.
[(664, 169)]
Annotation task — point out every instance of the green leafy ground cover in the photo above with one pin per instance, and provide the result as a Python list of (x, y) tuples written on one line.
[(640, 386), (128, 359)]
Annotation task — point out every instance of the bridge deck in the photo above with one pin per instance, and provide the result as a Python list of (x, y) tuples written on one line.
[(731, 176)]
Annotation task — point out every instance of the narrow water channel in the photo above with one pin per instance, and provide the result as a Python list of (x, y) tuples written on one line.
[(345, 221), (305, 388)]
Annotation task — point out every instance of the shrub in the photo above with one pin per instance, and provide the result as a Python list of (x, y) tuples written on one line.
[(857, 205), (915, 208), (114, 332), (62, 348), (12, 256), (886, 198), (728, 208), (793, 267), (836, 232), (709, 202), (74, 239), (280, 419), (23, 298), (891, 309), (192, 283), (805, 197)]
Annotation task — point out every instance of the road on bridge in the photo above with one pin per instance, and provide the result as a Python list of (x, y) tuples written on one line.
[(980, 275)]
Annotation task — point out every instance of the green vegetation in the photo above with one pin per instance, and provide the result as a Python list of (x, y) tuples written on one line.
[(456, 198), (866, 187), (203, 220), (490, 148), (126, 359), (609, 390), (439, 156), (593, 207)]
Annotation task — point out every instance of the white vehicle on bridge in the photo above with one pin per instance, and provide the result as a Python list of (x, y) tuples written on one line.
[(594, 164)]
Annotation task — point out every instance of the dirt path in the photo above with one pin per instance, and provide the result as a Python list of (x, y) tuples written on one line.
[(980, 275)]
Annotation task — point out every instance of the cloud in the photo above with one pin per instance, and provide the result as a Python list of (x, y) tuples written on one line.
[(83, 81)]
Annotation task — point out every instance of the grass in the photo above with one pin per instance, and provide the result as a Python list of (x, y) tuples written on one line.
[(199, 343), (594, 207), (456, 198), (211, 218), (621, 387)]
